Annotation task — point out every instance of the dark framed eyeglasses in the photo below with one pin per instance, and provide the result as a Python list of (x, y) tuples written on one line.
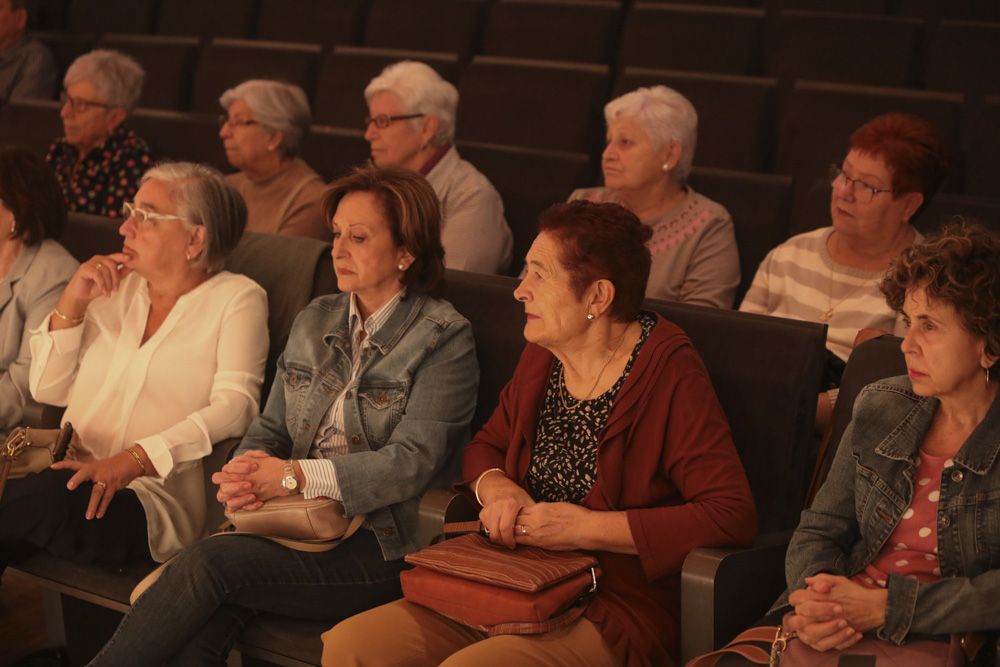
[(862, 191), (235, 122), (384, 120), (80, 105)]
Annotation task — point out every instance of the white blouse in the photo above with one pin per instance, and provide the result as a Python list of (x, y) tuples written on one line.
[(195, 382)]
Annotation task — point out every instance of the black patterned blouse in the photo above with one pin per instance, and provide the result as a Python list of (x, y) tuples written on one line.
[(563, 464), (106, 177)]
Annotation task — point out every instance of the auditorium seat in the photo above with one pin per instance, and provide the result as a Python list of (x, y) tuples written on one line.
[(964, 56), (946, 207), (820, 117), (66, 47), (48, 15), (572, 30), (215, 18), (532, 103), (736, 126), (87, 235), (345, 72), (225, 63), (845, 6), (850, 48), (100, 16), (333, 151), (169, 64), (935, 10), (179, 135), (529, 180), (452, 26), (760, 205), (30, 124), (724, 40), (317, 21), (983, 138)]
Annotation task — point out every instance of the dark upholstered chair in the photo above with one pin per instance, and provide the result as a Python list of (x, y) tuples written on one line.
[(218, 18), (100, 16), (578, 30), (983, 141), (345, 72), (722, 40), (181, 135), (846, 6), (315, 21), (964, 56), (744, 145), (884, 51), (334, 151), (30, 124), (227, 62), (961, 10), (532, 103), (169, 64), (66, 47), (760, 205), (529, 181), (452, 26)]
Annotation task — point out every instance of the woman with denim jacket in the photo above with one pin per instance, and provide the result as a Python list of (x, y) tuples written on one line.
[(903, 540), (371, 404)]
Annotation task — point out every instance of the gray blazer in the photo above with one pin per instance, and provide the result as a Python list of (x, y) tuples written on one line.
[(28, 293)]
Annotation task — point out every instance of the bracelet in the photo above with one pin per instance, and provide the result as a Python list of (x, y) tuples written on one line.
[(66, 318), (475, 485), (138, 459)]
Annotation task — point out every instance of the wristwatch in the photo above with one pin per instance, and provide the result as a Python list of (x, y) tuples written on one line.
[(289, 482)]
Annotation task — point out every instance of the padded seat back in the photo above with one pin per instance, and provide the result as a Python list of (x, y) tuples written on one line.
[(983, 141), (87, 235), (181, 135), (100, 16), (169, 64), (315, 21), (573, 30), (217, 18), (66, 47), (333, 151), (30, 124), (845, 6), (452, 26), (964, 56)]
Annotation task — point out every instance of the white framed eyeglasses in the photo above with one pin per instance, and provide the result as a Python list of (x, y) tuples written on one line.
[(143, 218)]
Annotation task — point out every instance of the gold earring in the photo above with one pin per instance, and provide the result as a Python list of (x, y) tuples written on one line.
[(987, 369)]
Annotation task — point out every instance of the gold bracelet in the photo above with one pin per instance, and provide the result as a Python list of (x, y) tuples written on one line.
[(138, 459), (475, 485), (67, 318)]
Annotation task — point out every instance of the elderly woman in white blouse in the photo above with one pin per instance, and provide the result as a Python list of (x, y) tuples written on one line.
[(650, 146), (157, 353), (411, 123)]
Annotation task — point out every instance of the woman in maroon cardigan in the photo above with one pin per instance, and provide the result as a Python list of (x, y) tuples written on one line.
[(609, 438)]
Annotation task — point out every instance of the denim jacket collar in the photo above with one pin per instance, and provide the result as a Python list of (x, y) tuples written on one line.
[(978, 453), (388, 335)]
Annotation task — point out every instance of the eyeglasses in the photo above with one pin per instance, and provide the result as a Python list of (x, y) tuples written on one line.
[(235, 122), (143, 218), (862, 191), (79, 105), (383, 120)]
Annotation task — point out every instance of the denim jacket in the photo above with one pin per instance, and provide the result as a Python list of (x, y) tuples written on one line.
[(869, 488), (406, 419)]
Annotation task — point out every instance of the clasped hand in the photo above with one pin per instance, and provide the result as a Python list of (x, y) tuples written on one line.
[(512, 517), (833, 612), (248, 480)]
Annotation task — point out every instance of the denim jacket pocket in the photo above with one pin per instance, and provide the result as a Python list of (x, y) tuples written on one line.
[(381, 407), (987, 528), (877, 507), (297, 380)]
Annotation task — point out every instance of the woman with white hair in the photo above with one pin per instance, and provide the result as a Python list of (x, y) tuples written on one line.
[(411, 123), (157, 353), (262, 132), (99, 160), (650, 146)]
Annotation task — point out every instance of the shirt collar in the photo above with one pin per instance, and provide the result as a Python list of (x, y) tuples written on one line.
[(376, 320)]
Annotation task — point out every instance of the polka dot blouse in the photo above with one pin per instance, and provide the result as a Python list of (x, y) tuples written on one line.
[(106, 177)]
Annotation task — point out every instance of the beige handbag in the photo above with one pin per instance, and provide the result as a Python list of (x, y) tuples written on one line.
[(29, 450)]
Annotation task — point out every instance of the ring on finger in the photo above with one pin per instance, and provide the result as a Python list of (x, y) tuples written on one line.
[(103, 485), (522, 530)]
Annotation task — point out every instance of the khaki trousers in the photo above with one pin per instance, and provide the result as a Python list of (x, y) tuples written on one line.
[(404, 634)]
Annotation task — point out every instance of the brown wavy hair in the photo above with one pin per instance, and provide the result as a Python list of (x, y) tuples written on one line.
[(959, 266)]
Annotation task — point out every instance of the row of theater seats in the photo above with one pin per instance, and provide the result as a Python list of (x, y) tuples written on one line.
[(768, 397), (862, 47)]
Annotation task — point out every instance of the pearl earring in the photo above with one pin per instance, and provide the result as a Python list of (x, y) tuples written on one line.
[(13, 226), (665, 166), (590, 317), (401, 267)]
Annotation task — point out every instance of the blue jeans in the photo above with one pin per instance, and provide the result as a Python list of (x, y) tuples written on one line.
[(194, 613)]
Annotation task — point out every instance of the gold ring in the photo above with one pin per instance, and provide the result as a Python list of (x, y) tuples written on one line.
[(101, 266), (523, 530), (100, 484)]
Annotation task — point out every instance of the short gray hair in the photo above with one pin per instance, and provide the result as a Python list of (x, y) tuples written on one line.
[(204, 197), (276, 105), (665, 116), (117, 77), (420, 89)]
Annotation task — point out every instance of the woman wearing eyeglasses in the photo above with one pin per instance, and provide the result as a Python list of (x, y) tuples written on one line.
[(99, 160), (411, 123), (157, 353), (262, 131), (894, 165)]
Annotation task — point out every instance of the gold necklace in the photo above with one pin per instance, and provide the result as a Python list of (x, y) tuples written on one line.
[(828, 313), (564, 390)]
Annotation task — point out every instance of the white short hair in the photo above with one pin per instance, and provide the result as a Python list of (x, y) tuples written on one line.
[(276, 105), (665, 116), (117, 77), (420, 89)]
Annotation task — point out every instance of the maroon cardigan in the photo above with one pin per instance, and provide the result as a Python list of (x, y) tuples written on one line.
[(666, 458)]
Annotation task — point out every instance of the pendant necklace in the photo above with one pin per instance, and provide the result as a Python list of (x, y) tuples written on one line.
[(564, 390)]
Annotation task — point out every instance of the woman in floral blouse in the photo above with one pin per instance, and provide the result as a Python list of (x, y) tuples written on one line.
[(99, 160)]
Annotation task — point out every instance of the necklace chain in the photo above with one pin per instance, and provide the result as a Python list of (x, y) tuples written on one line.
[(564, 390)]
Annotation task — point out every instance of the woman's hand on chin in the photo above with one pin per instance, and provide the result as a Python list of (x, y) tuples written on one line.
[(108, 475), (99, 276), (556, 526)]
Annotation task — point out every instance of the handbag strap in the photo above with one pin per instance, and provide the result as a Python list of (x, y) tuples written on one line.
[(462, 527), (538, 627), (744, 644), (357, 521)]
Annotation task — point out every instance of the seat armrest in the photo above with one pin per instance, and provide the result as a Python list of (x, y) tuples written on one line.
[(438, 507), (41, 415), (726, 590)]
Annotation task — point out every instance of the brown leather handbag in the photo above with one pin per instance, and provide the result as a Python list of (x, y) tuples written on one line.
[(29, 450), (488, 587)]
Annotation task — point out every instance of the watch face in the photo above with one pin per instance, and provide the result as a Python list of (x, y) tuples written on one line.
[(289, 483)]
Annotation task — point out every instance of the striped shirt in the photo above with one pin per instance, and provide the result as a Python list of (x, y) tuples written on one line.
[(799, 280), (331, 441)]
